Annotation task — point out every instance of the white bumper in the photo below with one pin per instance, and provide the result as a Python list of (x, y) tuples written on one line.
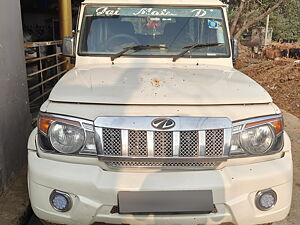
[(94, 191)]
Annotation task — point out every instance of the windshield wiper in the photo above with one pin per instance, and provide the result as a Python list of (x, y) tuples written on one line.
[(190, 47), (136, 48)]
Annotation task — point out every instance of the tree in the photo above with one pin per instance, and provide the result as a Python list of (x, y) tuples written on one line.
[(244, 14), (286, 21)]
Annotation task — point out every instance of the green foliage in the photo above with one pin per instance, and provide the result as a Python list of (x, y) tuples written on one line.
[(286, 21)]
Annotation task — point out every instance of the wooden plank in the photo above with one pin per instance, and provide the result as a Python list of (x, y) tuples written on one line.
[(40, 44), (37, 98), (48, 68), (46, 81), (31, 60), (48, 91)]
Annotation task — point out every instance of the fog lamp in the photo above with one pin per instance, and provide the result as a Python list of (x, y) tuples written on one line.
[(266, 200), (60, 201)]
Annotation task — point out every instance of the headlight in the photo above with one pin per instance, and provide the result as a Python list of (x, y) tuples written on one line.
[(257, 136), (66, 138), (257, 140), (66, 135)]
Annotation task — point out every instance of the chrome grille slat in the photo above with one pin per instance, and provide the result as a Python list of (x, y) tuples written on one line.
[(124, 134), (150, 143), (176, 143), (227, 141), (202, 142), (99, 140)]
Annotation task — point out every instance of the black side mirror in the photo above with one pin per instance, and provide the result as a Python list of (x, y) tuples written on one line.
[(235, 48), (68, 46)]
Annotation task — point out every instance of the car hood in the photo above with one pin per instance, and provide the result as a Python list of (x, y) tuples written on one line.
[(190, 85)]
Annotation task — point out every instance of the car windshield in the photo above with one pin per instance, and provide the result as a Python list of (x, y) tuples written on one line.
[(107, 31)]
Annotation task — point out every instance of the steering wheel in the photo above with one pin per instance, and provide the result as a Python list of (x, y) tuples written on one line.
[(115, 42)]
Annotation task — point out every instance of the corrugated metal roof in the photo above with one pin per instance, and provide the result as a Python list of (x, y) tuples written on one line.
[(158, 2)]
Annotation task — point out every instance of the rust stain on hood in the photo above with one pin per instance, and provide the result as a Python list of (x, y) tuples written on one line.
[(155, 82)]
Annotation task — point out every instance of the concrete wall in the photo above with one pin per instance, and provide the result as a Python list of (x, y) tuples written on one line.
[(14, 109)]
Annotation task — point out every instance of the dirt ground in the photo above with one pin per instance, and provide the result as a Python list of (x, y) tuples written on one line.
[(280, 77), (292, 126)]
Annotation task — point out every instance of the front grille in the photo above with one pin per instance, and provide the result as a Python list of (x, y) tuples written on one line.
[(189, 144), (214, 142), (137, 143), (124, 164), (163, 144), (148, 147), (112, 142), (114, 210)]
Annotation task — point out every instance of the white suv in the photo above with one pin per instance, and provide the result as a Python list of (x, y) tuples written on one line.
[(155, 126)]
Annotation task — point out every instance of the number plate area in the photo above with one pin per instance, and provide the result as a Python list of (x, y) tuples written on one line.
[(166, 202)]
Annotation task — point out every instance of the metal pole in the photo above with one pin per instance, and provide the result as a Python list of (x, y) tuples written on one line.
[(42, 91), (267, 30), (65, 22)]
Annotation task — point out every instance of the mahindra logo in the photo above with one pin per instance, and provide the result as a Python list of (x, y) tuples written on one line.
[(163, 123)]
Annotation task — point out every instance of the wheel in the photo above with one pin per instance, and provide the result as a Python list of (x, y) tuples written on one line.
[(120, 41)]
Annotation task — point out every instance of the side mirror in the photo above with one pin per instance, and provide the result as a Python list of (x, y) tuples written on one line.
[(235, 49), (68, 46)]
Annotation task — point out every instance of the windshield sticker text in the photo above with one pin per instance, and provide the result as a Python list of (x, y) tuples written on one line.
[(157, 12), (105, 11), (152, 12)]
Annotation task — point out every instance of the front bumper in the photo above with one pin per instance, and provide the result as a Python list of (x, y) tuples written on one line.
[(94, 191)]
